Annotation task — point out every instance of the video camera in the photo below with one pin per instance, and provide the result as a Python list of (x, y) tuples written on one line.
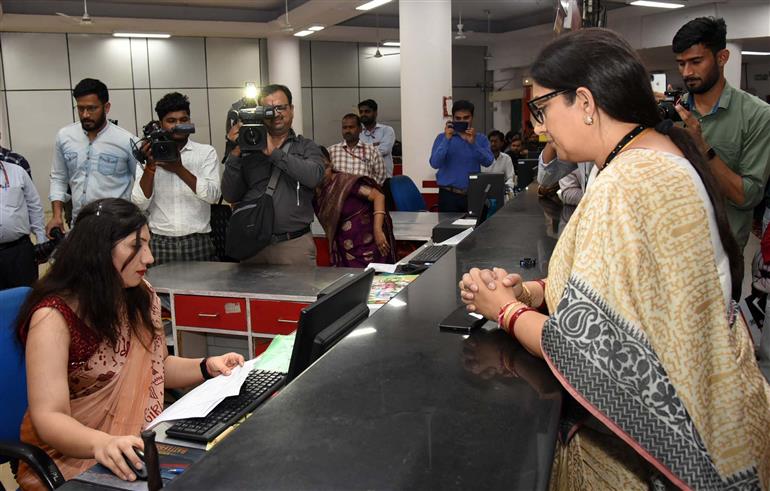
[(666, 106), (162, 145), (252, 136), (44, 250)]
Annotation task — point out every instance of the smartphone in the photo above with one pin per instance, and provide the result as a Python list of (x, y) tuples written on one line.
[(462, 321), (460, 126)]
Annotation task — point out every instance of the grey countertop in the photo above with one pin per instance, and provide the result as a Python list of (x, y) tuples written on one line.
[(247, 281)]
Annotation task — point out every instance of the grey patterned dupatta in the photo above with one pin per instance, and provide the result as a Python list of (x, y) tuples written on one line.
[(611, 369)]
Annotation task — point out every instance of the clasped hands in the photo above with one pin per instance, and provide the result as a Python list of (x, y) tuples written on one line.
[(486, 291)]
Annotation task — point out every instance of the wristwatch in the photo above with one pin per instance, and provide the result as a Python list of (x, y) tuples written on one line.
[(711, 153)]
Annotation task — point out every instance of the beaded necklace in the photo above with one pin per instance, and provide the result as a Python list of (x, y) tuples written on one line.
[(622, 144)]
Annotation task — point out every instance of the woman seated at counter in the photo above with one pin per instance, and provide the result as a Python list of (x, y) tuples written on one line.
[(644, 331), (351, 209), (95, 347)]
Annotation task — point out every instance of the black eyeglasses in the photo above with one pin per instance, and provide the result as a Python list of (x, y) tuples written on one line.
[(537, 112)]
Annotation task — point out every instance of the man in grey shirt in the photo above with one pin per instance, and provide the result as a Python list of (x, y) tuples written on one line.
[(301, 163)]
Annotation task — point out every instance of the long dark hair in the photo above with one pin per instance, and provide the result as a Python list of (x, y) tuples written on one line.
[(605, 64), (83, 271)]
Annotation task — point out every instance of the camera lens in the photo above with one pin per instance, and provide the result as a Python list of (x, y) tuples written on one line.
[(251, 136)]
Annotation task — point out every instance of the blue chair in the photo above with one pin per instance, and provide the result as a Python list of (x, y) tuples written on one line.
[(406, 196), (13, 386)]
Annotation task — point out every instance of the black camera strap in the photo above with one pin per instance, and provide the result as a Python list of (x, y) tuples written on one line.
[(276, 173)]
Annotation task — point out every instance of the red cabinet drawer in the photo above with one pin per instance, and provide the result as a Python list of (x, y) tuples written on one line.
[(210, 312), (275, 317)]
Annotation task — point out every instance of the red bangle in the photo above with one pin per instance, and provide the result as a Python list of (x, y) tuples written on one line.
[(515, 317), (503, 310)]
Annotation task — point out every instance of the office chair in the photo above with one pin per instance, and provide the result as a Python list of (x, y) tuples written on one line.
[(406, 196), (13, 386)]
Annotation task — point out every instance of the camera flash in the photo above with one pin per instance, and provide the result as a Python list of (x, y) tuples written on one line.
[(250, 91)]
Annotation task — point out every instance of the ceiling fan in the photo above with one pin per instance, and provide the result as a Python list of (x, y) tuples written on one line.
[(286, 25), (460, 34), (85, 20), (377, 52)]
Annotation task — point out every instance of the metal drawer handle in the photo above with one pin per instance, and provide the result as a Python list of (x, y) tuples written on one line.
[(207, 315), (287, 321)]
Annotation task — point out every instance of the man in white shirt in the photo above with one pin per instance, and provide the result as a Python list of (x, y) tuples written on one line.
[(503, 163), (20, 215), (178, 195), (380, 135)]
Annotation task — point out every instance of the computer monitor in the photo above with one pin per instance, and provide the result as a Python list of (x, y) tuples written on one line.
[(483, 186), (526, 172), (329, 319)]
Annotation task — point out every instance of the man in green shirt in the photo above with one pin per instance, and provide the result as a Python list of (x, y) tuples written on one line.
[(731, 127)]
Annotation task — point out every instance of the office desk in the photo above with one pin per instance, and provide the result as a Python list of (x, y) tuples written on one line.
[(244, 306), (399, 404)]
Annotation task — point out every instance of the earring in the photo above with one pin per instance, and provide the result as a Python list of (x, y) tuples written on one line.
[(588, 120)]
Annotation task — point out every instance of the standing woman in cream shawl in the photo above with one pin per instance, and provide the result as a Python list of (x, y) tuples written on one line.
[(642, 327), (95, 349)]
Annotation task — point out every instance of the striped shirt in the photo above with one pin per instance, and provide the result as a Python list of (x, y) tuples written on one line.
[(362, 160)]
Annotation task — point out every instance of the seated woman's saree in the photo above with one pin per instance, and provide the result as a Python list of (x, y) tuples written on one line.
[(644, 335), (347, 217), (117, 391)]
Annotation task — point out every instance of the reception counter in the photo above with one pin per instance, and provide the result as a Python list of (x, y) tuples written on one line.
[(399, 404)]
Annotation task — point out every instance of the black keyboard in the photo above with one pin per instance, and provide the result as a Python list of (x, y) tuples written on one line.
[(259, 385), (430, 254)]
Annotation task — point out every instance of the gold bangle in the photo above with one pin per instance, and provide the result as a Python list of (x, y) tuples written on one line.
[(379, 212), (526, 296)]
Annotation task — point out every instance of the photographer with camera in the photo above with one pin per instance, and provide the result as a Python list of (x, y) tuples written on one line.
[(456, 153), (269, 159), (729, 126), (92, 159), (20, 214), (178, 184)]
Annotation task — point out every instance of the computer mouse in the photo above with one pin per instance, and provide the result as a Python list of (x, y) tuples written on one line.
[(140, 472)]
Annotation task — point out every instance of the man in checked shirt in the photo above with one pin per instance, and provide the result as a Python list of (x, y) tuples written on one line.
[(353, 156)]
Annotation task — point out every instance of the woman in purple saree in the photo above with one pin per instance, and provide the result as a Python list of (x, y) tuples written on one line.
[(351, 210)]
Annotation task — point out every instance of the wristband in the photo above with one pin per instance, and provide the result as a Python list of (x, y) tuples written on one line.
[(711, 153), (542, 285), (205, 370), (504, 310)]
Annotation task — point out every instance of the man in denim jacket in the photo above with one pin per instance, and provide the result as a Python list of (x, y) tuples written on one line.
[(92, 159)]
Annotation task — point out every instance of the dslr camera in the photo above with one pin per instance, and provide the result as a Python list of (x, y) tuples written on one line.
[(162, 145), (44, 250), (666, 106), (252, 136)]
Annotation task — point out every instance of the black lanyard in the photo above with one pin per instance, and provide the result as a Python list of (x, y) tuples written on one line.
[(622, 144), (7, 180)]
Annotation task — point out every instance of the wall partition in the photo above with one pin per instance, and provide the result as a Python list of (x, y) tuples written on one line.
[(40, 70)]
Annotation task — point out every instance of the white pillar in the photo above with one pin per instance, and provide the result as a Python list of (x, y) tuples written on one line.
[(733, 69), (425, 31), (283, 68)]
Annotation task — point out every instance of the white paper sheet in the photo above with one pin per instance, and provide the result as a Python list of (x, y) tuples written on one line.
[(201, 400), (465, 221), (382, 268), (452, 241)]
